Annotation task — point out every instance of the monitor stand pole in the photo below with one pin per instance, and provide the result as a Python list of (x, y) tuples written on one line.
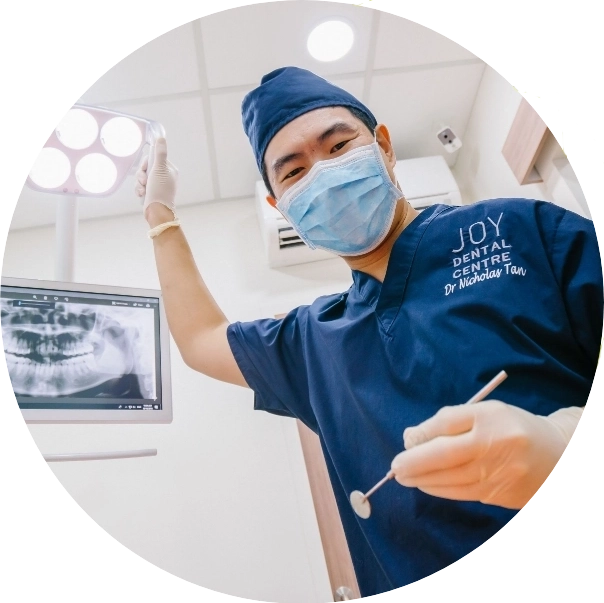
[(66, 234)]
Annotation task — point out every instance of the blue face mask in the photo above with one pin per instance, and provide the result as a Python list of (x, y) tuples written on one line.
[(343, 205)]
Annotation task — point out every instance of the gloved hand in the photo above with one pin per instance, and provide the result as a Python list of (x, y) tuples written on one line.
[(160, 185), (490, 452)]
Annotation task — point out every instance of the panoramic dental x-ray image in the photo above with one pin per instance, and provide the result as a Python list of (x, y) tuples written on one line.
[(78, 350)]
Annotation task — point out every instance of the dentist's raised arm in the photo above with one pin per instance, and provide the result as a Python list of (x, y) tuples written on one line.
[(195, 320)]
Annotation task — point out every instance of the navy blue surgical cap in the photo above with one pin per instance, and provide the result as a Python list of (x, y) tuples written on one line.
[(285, 94)]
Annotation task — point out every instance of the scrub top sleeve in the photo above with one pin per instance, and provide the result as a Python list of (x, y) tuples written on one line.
[(577, 267), (270, 355)]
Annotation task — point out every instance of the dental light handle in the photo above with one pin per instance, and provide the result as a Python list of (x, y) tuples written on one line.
[(99, 456), (155, 131)]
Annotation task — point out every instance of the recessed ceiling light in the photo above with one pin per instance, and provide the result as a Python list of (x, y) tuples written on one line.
[(330, 41)]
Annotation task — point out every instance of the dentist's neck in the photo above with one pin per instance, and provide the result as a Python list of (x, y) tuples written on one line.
[(375, 263)]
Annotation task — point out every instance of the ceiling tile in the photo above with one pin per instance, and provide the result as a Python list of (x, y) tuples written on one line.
[(412, 104), (243, 44), (166, 65), (237, 171), (354, 85), (402, 43)]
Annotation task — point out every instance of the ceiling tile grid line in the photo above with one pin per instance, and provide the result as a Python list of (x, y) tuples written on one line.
[(373, 37), (333, 78), (206, 107)]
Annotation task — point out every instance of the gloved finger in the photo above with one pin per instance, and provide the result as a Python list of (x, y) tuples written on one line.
[(449, 420), (464, 492), (161, 151), (443, 452), (141, 177), (144, 164), (462, 475), (140, 191)]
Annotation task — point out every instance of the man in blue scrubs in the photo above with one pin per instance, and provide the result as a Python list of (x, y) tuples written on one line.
[(441, 302)]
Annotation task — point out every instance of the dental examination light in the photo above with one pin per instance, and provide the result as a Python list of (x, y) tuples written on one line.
[(330, 41), (89, 154)]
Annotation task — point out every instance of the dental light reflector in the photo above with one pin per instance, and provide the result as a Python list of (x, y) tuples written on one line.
[(330, 41), (78, 129), (51, 169), (96, 173), (105, 145), (121, 136)]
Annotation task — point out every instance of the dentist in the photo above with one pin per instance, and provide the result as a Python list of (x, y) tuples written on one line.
[(441, 301)]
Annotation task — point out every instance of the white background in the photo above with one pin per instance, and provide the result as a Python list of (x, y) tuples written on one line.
[(552, 55)]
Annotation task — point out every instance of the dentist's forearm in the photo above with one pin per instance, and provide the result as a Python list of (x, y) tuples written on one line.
[(191, 310)]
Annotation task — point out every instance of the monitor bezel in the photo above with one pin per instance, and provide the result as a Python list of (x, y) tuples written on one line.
[(106, 416)]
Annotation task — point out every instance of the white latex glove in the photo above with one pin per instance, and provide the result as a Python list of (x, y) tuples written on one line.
[(160, 185), (490, 452)]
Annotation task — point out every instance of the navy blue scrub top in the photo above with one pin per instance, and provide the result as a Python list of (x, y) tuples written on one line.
[(510, 284)]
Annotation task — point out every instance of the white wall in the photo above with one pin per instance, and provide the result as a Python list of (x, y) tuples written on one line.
[(226, 503), (481, 170)]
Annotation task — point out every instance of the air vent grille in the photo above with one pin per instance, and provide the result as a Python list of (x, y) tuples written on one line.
[(288, 237)]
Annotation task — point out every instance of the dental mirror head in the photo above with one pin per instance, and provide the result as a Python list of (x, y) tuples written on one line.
[(360, 504)]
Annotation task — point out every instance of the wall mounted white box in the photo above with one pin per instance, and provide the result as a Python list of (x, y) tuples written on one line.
[(426, 181)]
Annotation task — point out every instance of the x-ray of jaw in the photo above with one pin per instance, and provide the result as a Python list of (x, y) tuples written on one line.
[(79, 350)]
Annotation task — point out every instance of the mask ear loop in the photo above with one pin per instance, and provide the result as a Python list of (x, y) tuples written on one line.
[(398, 185)]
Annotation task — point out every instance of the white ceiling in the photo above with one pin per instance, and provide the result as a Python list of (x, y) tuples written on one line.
[(192, 80)]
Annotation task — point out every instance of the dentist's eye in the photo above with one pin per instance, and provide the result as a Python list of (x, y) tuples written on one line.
[(339, 146), (293, 173)]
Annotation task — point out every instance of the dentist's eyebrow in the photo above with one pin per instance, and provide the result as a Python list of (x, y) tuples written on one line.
[(340, 127), (279, 164)]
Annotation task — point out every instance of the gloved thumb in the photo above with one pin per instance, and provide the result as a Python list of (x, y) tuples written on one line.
[(161, 151)]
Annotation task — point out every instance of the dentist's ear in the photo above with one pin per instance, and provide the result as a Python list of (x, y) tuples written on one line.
[(382, 136), (271, 200)]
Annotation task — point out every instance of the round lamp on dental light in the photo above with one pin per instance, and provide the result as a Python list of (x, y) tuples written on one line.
[(89, 154), (330, 41)]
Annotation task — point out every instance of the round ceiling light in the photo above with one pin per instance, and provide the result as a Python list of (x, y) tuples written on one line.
[(330, 41), (78, 129), (96, 173), (121, 136), (51, 169)]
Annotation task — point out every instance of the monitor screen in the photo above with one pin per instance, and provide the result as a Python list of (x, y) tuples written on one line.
[(86, 353)]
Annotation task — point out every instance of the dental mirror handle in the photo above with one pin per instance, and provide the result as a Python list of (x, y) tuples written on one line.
[(385, 479)]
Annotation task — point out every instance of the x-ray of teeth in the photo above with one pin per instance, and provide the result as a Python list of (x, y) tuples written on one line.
[(79, 350)]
